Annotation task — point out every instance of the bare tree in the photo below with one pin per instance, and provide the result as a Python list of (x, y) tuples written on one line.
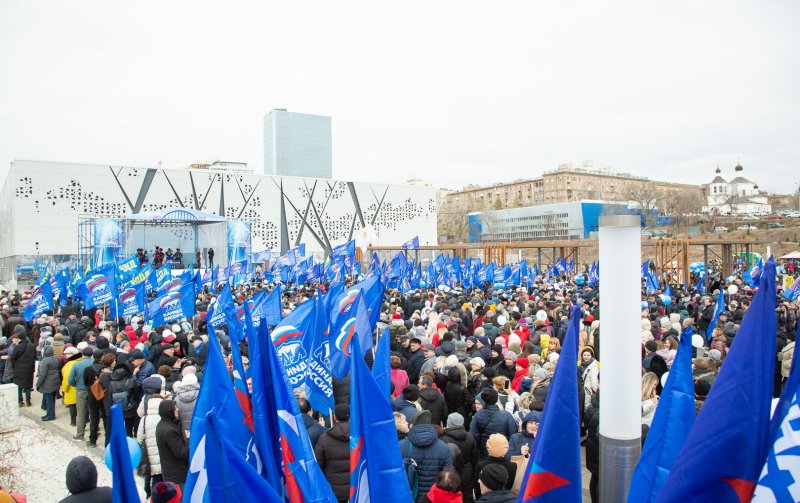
[(680, 206), (645, 196)]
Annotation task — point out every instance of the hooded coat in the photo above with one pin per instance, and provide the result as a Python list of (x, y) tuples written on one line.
[(49, 377), (82, 483), (146, 434), (457, 397), (431, 454), (491, 420), (431, 399), (186, 400), (23, 360), (173, 446), (523, 437), (465, 442), (333, 457)]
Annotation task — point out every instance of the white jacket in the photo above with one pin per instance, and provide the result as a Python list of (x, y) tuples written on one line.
[(147, 433)]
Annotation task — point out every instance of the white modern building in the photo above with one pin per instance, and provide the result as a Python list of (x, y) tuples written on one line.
[(42, 204), (739, 196), (297, 144)]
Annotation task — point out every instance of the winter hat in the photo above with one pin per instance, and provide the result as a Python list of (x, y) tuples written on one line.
[(715, 355), (19, 329), (455, 419), (541, 373), (479, 361), (136, 354), (189, 378), (665, 323), (189, 369), (489, 396), (497, 348), (508, 355), (87, 351), (523, 362), (421, 417), (553, 357), (461, 345), (152, 385), (168, 492), (497, 445), (473, 339), (483, 340), (480, 399), (342, 412), (411, 393), (494, 476), (451, 361)]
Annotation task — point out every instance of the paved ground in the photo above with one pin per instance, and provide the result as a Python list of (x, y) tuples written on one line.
[(48, 448)]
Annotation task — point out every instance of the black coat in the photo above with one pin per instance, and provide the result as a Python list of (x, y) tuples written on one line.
[(313, 429), (173, 446), (341, 390), (465, 442), (333, 457), (457, 397), (82, 483), (414, 365), (431, 400), (510, 467), (498, 497), (23, 359)]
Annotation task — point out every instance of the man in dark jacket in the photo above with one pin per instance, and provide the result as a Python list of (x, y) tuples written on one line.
[(123, 380), (592, 419), (405, 402), (490, 420), (423, 446), (333, 453), (415, 359), (313, 427), (493, 480), (95, 406), (432, 400), (23, 361), (82, 483), (455, 434)]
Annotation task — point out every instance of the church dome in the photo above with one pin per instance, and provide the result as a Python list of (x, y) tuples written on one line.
[(718, 171), (738, 167)]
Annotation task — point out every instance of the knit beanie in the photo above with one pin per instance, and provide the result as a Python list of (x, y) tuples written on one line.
[(421, 417), (411, 392), (168, 492), (497, 445), (455, 419), (489, 396), (494, 476)]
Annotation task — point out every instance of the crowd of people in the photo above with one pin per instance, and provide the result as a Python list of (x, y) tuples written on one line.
[(470, 375)]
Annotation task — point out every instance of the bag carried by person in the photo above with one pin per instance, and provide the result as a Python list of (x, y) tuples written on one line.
[(143, 468), (411, 473), (121, 394)]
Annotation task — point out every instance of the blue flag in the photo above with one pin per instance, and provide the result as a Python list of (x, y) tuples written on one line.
[(725, 451), (128, 268), (381, 368), (271, 309), (346, 250), (752, 275), (778, 481), (123, 485), (141, 276), (674, 418), (319, 388), (160, 276), (292, 339), (231, 478), (130, 301), (172, 306), (411, 244), (305, 481), (169, 286), (718, 309), (554, 467), (376, 466), (41, 302), (98, 287), (265, 418), (348, 326), (216, 392)]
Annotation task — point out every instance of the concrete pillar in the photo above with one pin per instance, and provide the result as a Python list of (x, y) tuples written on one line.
[(620, 354), (9, 408)]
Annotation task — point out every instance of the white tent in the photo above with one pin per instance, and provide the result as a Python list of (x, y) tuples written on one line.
[(794, 254)]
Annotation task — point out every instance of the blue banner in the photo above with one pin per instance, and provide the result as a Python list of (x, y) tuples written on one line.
[(130, 301), (160, 276), (98, 287), (41, 302), (172, 306), (292, 338), (128, 268)]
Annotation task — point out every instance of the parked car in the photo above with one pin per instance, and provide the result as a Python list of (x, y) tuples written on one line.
[(749, 217), (746, 228), (774, 217), (794, 214), (720, 228), (775, 225)]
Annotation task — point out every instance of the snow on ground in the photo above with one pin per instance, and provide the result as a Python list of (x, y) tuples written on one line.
[(43, 459)]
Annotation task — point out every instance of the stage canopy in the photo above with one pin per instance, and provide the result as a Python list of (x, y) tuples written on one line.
[(176, 215)]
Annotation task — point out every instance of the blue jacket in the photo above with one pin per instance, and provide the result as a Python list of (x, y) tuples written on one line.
[(523, 437), (490, 420), (431, 454), (145, 370), (402, 405)]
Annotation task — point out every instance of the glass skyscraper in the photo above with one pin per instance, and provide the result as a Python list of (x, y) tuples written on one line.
[(297, 144)]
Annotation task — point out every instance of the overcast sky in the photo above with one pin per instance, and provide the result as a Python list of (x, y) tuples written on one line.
[(455, 92)]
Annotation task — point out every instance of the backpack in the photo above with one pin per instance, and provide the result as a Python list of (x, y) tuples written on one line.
[(121, 394), (96, 388), (410, 467)]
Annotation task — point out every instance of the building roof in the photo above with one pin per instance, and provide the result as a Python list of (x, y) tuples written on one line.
[(718, 179), (741, 200), (740, 179)]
